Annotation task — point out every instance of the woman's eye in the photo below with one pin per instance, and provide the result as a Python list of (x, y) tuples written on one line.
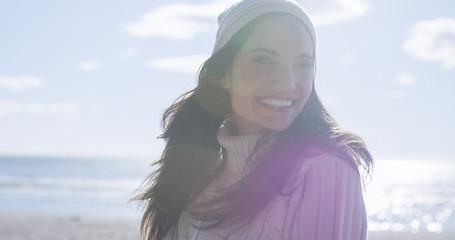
[(264, 60), (304, 65)]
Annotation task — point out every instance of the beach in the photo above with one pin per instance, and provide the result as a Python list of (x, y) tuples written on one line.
[(61, 227), (67, 198), (22, 226), (410, 236)]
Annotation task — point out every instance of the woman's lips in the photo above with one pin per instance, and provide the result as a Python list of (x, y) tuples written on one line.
[(276, 103)]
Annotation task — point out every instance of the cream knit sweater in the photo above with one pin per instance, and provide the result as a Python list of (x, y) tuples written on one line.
[(326, 205)]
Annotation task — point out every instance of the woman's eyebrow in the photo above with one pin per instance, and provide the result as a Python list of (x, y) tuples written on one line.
[(264, 50), (305, 55)]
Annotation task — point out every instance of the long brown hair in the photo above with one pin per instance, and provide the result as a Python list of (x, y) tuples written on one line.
[(193, 157)]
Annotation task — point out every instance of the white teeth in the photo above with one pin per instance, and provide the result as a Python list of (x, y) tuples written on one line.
[(276, 103)]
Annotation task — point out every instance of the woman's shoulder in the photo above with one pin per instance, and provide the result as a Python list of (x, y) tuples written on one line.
[(323, 166), (316, 157), (326, 195)]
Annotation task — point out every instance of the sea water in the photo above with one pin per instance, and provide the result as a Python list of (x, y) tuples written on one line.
[(403, 195), (412, 195), (97, 187)]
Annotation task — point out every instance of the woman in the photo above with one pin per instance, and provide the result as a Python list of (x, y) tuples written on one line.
[(251, 153)]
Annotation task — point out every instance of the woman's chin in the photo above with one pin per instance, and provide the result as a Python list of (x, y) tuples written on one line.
[(278, 127)]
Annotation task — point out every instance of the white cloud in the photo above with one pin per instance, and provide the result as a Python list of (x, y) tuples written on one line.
[(185, 21), (433, 40), (20, 83), (332, 12), (88, 66), (406, 79), (8, 108), (183, 64), (346, 59), (178, 21)]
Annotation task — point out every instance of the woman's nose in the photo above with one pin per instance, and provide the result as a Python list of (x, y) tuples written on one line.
[(285, 79)]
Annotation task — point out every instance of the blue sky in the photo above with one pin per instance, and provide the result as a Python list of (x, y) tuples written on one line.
[(92, 78)]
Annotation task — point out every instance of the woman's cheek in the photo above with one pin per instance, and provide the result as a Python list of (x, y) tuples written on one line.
[(258, 75)]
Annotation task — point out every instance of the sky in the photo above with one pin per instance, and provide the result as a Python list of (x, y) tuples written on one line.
[(92, 78)]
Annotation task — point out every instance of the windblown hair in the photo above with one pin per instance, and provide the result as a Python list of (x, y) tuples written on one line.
[(192, 157)]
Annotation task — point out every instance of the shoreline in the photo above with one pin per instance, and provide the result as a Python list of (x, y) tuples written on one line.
[(24, 226), (385, 235), (33, 226)]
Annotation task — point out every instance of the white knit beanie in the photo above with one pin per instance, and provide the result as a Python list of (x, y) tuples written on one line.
[(241, 13)]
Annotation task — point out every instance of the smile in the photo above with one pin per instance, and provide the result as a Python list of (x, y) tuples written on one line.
[(279, 103)]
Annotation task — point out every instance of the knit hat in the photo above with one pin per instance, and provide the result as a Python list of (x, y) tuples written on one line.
[(241, 13)]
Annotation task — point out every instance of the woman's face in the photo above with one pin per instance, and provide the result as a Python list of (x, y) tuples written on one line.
[(271, 76)]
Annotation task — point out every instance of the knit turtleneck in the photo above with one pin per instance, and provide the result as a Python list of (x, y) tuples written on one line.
[(242, 149), (326, 201)]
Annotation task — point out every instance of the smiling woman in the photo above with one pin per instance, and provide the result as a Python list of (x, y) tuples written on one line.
[(251, 153), (271, 78)]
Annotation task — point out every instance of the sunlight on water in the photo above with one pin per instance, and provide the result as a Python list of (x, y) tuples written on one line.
[(70, 186), (412, 196)]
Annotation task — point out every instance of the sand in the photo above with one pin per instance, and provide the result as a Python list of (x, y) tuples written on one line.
[(408, 236), (14, 226), (52, 227)]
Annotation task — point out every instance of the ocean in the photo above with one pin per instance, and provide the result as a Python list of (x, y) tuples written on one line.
[(412, 196), (71, 186), (403, 195)]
